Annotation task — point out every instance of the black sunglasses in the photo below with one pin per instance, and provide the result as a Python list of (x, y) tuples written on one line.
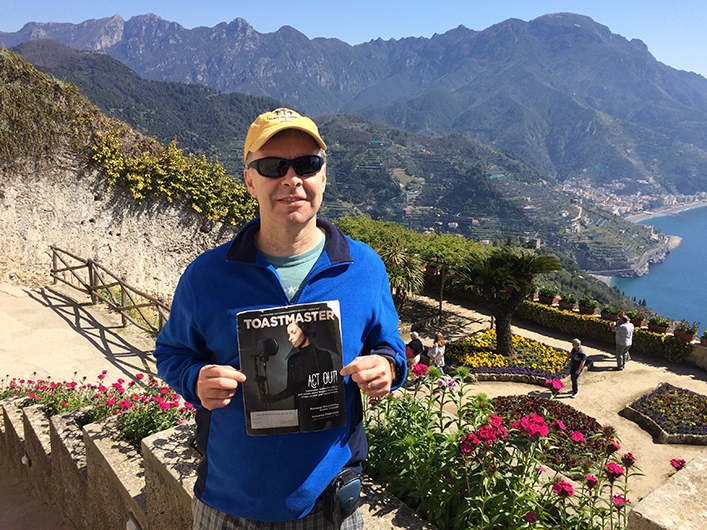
[(274, 167)]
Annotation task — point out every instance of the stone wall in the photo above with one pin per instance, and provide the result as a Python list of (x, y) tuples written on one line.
[(70, 206), (96, 480)]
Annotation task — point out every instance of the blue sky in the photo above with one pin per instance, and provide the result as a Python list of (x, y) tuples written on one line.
[(673, 30)]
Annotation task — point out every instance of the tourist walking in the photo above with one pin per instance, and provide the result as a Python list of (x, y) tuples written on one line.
[(436, 352), (623, 332), (413, 349), (578, 358)]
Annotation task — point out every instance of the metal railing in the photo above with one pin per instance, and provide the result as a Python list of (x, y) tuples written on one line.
[(147, 312)]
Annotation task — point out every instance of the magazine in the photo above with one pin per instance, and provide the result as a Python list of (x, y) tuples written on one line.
[(292, 358)]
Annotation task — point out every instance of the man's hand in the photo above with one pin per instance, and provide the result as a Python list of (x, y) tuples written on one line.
[(217, 384), (372, 373)]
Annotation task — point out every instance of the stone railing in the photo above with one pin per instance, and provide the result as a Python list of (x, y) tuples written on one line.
[(96, 480)]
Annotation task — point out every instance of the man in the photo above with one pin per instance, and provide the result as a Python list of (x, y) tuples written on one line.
[(577, 360), (285, 256), (623, 331), (414, 348)]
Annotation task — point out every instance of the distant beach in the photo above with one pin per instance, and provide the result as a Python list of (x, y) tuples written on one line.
[(666, 211)]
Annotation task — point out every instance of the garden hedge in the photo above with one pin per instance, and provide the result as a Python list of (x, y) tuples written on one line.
[(588, 327)]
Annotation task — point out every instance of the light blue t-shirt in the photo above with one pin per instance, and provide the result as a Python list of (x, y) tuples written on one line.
[(293, 270)]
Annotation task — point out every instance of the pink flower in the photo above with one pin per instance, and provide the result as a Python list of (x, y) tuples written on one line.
[(182, 422), (620, 501), (420, 371), (677, 463), (612, 446), (628, 460), (495, 420), (530, 517), (563, 489), (559, 424), (591, 482), (577, 436), (468, 443), (613, 471), (102, 376), (139, 376), (534, 425)]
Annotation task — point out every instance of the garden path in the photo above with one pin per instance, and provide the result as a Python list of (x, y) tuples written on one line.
[(603, 392)]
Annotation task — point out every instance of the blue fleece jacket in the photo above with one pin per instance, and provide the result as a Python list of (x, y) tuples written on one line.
[(276, 477)]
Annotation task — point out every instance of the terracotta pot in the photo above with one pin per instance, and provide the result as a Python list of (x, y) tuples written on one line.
[(637, 323), (588, 310), (687, 337), (657, 328), (703, 341), (609, 316), (567, 305), (545, 299)]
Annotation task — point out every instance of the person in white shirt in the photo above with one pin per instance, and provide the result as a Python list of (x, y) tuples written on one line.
[(436, 352)]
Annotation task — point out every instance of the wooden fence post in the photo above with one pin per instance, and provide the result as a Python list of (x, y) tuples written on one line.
[(123, 300), (92, 281), (159, 313), (54, 266)]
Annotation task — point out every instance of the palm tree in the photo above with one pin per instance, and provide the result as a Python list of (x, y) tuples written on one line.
[(405, 273), (503, 277)]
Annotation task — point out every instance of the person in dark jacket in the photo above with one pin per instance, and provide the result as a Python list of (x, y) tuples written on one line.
[(578, 359), (414, 348)]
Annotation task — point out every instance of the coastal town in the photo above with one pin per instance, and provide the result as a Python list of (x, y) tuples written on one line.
[(636, 206)]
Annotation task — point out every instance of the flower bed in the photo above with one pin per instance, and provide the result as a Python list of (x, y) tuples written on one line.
[(143, 408), (534, 363), (568, 423), (671, 414), (485, 471)]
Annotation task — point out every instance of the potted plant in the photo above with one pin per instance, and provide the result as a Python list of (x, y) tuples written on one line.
[(658, 323), (588, 306), (637, 318), (685, 330), (703, 338), (568, 301), (610, 312), (547, 294)]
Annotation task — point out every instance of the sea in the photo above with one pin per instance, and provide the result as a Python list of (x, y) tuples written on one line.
[(676, 288)]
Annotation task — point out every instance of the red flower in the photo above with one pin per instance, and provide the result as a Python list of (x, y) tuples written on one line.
[(563, 489), (530, 517), (591, 482)]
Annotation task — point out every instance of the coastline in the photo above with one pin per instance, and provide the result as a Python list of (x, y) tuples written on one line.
[(666, 212)]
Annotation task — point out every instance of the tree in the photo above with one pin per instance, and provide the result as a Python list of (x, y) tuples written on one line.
[(503, 277), (405, 273)]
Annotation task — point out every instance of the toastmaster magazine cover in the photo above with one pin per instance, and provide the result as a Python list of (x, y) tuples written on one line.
[(292, 359)]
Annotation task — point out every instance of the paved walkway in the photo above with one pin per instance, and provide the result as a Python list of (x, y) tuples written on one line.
[(55, 332)]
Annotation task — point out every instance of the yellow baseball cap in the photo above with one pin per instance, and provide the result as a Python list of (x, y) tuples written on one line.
[(269, 124)]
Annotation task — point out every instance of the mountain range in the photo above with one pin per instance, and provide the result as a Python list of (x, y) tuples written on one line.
[(561, 91)]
